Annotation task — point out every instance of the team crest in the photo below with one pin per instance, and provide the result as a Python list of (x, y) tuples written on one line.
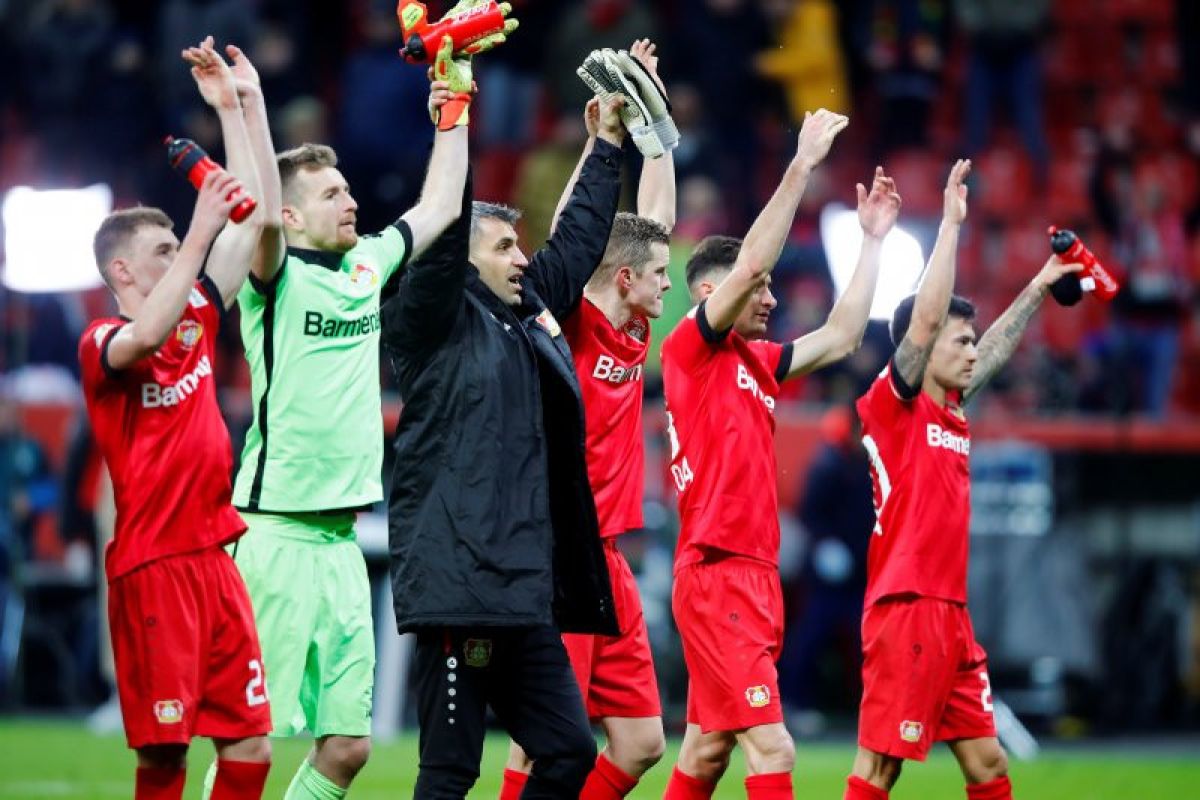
[(911, 731), (168, 712), (188, 333), (478, 652), (363, 276), (547, 321), (758, 696)]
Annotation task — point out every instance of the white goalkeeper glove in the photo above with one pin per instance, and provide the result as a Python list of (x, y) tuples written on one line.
[(653, 98), (607, 82)]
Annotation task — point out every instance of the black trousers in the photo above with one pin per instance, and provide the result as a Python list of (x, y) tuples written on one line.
[(525, 676)]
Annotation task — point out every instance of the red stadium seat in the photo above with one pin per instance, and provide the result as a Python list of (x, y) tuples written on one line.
[(1005, 182), (1157, 12), (919, 177), (1067, 197)]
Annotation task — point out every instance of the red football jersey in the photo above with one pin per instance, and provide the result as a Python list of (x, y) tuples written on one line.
[(918, 452), (610, 364), (720, 394), (160, 430)]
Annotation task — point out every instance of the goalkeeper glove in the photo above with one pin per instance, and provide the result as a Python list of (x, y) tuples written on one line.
[(456, 72), (654, 100), (607, 84)]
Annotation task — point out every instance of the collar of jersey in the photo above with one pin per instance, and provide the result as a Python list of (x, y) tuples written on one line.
[(328, 259)]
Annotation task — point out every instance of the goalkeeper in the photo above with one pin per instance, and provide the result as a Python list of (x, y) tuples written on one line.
[(313, 455)]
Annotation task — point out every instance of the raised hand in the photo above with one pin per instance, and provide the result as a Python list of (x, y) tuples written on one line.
[(591, 117), (817, 135), (954, 207), (609, 123), (1052, 270), (878, 209), (213, 77), (643, 51), (219, 194), (245, 76)]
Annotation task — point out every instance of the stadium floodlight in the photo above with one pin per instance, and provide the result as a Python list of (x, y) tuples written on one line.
[(901, 261), (48, 237)]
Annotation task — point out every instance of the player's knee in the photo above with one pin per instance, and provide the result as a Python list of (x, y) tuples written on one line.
[(162, 756), (877, 769), (987, 765), (770, 749), (517, 760), (256, 749), (708, 759), (642, 749), (348, 754)]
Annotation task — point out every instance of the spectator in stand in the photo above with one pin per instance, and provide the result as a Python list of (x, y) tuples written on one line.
[(906, 59), (1002, 52), (181, 23), (28, 490), (508, 112)]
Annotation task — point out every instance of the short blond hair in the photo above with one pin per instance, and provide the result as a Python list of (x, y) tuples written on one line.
[(307, 156)]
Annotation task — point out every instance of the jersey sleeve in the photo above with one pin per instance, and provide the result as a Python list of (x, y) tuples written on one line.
[(392, 247), (777, 357), (881, 405), (93, 352), (693, 342)]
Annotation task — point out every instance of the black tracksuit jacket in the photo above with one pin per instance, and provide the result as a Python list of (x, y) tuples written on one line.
[(491, 517)]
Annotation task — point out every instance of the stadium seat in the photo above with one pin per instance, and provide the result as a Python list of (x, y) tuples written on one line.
[(1004, 181)]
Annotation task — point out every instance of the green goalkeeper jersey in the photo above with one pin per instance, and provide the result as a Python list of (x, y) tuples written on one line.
[(312, 342)]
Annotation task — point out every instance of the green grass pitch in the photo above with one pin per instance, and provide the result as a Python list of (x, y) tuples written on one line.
[(63, 760)]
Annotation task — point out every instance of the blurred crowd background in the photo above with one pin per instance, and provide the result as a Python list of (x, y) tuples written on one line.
[(1080, 113)]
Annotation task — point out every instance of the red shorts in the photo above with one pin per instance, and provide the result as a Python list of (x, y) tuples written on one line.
[(924, 678), (730, 617), (616, 673), (186, 651)]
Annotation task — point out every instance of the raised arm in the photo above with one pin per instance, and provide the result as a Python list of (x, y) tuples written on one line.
[(229, 262), (422, 314), (767, 235), (591, 121), (560, 269), (656, 189), (268, 255), (937, 286), (843, 331), (1001, 339), (161, 310), (452, 88)]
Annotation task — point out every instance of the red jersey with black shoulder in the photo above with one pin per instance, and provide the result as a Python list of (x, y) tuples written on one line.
[(918, 452), (160, 430), (720, 392), (610, 363)]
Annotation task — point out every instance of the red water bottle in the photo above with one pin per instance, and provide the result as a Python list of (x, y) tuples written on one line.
[(1095, 277), (189, 160), (464, 28)]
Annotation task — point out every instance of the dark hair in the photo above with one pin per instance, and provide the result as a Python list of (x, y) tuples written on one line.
[(117, 228), (307, 156), (711, 254), (960, 307), (629, 245), (483, 210)]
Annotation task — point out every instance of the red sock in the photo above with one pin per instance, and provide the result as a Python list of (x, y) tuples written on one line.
[(685, 787), (769, 786), (240, 780), (513, 785), (607, 781), (858, 789), (995, 789), (159, 783)]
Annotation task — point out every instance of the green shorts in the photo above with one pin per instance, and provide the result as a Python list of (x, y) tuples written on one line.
[(312, 604)]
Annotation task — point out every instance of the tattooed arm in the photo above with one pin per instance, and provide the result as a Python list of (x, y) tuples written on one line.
[(937, 286), (1001, 339)]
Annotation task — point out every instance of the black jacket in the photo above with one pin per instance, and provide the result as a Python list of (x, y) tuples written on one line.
[(491, 518)]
